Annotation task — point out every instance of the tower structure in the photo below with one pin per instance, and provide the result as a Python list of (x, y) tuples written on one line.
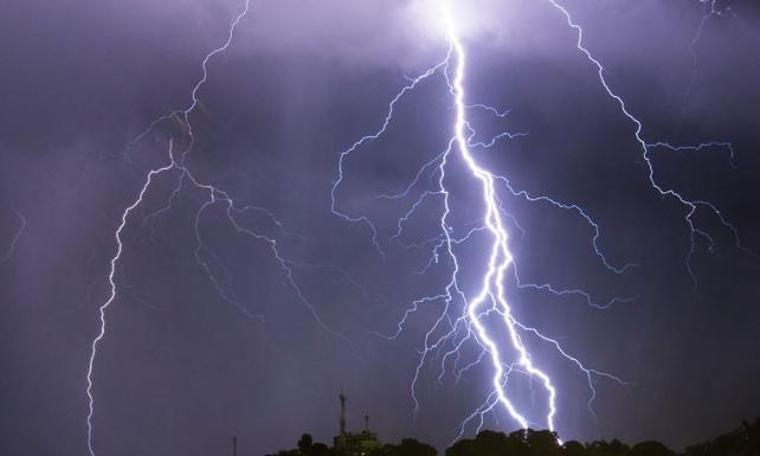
[(342, 413), (353, 443)]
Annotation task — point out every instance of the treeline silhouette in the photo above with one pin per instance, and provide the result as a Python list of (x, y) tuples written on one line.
[(744, 441)]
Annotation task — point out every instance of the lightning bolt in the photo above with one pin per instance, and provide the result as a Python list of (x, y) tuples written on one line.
[(711, 10), (152, 174), (344, 155), (469, 325), (112, 290), (691, 206), (463, 318), (500, 257), (206, 259), (16, 236)]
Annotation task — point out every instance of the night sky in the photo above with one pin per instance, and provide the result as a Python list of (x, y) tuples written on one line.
[(193, 355)]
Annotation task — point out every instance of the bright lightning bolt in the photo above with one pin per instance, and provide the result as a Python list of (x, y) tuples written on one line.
[(469, 325), (500, 257)]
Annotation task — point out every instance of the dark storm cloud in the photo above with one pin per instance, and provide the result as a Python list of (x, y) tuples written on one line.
[(181, 370)]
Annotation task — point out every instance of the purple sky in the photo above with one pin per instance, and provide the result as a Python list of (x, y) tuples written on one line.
[(181, 370)]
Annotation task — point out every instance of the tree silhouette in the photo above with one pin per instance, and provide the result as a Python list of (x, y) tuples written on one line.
[(319, 449), (651, 448), (744, 441), (573, 448), (518, 443), (305, 443), (604, 448), (541, 443), (407, 447)]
